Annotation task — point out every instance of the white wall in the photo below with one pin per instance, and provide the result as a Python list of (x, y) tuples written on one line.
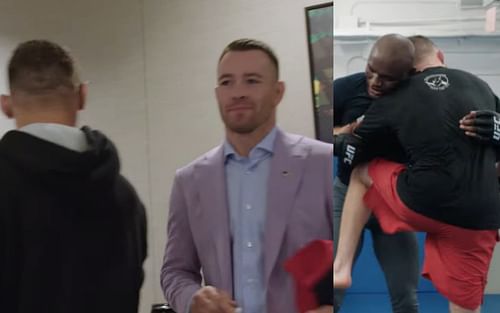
[(434, 17), (151, 66), (477, 54)]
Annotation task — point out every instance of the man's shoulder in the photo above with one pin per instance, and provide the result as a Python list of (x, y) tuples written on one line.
[(468, 75), (315, 146), (444, 74), (7, 167), (456, 71), (11, 177), (350, 88), (209, 157)]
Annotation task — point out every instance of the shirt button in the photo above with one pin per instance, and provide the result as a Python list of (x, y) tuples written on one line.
[(248, 207), (248, 172), (250, 280), (249, 244)]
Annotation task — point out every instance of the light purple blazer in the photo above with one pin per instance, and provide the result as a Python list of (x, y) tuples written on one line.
[(299, 210)]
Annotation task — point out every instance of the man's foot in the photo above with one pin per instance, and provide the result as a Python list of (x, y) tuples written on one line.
[(341, 278)]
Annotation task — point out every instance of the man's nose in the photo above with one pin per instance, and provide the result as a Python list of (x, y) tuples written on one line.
[(239, 91), (376, 80)]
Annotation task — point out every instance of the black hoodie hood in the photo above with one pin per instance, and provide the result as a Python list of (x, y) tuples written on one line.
[(54, 164), (73, 231)]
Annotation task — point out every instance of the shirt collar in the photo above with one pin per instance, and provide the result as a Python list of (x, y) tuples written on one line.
[(69, 137), (266, 144)]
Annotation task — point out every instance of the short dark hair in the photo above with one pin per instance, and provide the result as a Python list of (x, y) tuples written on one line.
[(40, 66), (423, 47), (246, 44)]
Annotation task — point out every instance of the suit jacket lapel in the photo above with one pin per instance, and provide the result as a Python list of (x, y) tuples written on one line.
[(211, 185), (287, 168)]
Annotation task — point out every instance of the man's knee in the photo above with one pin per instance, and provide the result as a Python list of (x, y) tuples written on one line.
[(360, 173)]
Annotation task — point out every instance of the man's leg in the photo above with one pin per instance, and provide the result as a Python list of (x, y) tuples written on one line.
[(354, 217), (398, 258), (339, 193), (457, 309)]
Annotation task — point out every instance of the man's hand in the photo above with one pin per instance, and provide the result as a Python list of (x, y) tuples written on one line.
[(346, 129), (322, 309), (211, 300), (347, 148), (483, 125)]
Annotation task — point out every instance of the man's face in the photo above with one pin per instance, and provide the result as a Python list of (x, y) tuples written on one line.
[(383, 75), (247, 90)]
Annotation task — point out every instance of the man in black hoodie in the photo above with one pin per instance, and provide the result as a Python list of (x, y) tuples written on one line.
[(72, 229)]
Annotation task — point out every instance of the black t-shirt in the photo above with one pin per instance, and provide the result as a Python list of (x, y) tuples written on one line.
[(450, 177), (351, 101)]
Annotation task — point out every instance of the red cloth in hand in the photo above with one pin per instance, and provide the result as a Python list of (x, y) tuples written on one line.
[(308, 268)]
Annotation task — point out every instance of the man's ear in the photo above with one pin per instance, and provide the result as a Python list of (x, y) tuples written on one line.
[(280, 91), (82, 96), (440, 55), (6, 103)]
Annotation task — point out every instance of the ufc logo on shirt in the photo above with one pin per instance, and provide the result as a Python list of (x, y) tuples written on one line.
[(349, 154), (496, 129)]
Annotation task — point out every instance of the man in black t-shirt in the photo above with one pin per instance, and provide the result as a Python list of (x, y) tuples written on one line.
[(448, 187), (390, 61)]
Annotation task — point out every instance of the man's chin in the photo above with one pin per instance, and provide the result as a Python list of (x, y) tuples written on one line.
[(374, 94), (241, 129)]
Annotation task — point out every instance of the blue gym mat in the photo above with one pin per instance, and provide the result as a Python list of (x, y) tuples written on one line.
[(429, 303)]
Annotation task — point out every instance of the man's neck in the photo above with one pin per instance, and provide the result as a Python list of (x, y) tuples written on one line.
[(244, 143), (425, 65), (62, 119)]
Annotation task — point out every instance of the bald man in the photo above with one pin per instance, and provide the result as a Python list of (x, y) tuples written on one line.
[(390, 61), (447, 188)]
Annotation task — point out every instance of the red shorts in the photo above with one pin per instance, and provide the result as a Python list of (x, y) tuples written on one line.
[(456, 259)]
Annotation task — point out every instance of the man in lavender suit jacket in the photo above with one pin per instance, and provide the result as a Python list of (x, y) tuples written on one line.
[(240, 210)]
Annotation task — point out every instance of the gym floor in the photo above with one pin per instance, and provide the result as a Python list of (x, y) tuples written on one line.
[(429, 303)]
